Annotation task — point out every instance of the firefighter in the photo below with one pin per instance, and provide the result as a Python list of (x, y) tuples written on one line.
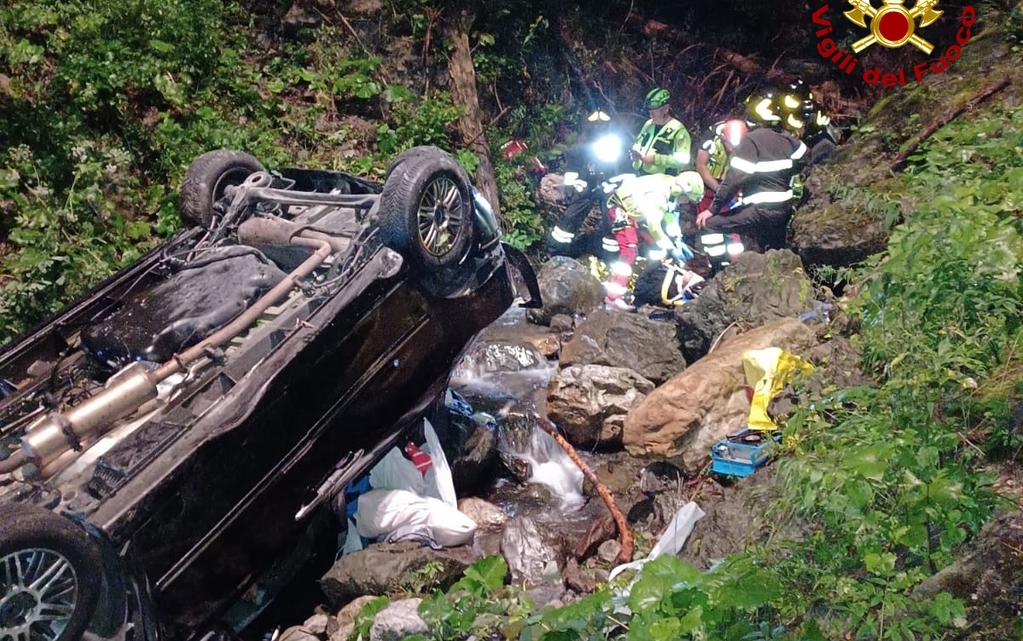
[(647, 201), (597, 155), (713, 154), (663, 144), (762, 168)]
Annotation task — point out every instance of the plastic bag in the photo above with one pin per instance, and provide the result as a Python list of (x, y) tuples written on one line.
[(671, 541), (767, 372), (401, 515)]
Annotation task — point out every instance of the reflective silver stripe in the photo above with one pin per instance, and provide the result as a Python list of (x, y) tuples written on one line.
[(716, 250), (735, 248), (768, 197), (798, 153), (712, 239), (762, 167), (610, 245), (561, 236)]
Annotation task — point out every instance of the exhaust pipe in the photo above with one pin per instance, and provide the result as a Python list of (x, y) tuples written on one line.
[(53, 435)]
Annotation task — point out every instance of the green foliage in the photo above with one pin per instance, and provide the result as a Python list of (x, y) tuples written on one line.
[(411, 124), (523, 225), (478, 593), (66, 240)]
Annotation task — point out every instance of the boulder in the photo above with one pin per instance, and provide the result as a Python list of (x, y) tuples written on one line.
[(398, 620), (707, 401), (622, 339), (589, 403), (388, 568), (828, 230), (567, 287), (756, 289)]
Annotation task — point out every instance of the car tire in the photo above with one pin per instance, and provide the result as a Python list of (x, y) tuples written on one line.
[(33, 542), (426, 209), (408, 154), (207, 178)]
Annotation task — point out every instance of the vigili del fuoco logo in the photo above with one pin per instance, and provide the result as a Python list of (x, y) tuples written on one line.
[(892, 25)]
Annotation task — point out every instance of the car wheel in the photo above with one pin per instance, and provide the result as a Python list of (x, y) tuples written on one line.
[(207, 178), (404, 156), (50, 575), (426, 209)]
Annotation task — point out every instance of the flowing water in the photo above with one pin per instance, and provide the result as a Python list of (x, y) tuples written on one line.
[(507, 378)]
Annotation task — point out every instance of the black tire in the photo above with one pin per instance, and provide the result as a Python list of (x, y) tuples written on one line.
[(415, 152), (426, 209), (33, 542), (206, 179)]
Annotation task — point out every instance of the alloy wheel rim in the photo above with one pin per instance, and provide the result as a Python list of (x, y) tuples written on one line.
[(440, 215), (38, 594)]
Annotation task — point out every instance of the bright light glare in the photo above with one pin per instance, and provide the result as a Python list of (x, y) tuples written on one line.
[(608, 148)]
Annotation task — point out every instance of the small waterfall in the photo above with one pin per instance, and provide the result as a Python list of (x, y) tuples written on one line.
[(535, 457), (555, 470)]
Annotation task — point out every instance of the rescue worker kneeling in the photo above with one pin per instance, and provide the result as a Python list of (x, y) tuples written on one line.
[(762, 168), (649, 201)]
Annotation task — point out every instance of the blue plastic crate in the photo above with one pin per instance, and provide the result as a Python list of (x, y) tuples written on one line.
[(733, 457)]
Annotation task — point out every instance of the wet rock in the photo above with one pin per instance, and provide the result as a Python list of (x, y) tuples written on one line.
[(397, 621), (534, 456), (469, 439), (346, 618), (483, 513), (567, 287), (708, 401), (660, 476), (578, 578), (562, 324), (600, 530), (528, 552), (609, 550), (621, 339), (386, 568), (492, 356), (756, 289), (589, 403), (547, 344)]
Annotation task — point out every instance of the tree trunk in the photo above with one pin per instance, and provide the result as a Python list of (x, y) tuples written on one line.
[(463, 90)]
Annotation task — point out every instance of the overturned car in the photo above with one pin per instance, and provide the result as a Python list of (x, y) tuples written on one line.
[(168, 439)]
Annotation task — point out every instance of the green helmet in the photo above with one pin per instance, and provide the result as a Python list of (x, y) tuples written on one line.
[(657, 98)]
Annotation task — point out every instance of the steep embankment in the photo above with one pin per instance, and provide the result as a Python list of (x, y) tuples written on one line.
[(872, 184)]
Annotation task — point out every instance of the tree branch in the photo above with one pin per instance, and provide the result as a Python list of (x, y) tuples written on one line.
[(946, 118)]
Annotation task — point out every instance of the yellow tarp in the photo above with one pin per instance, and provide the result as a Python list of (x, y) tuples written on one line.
[(767, 371)]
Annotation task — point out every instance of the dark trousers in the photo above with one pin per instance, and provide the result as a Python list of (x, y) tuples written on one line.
[(586, 241), (768, 226)]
